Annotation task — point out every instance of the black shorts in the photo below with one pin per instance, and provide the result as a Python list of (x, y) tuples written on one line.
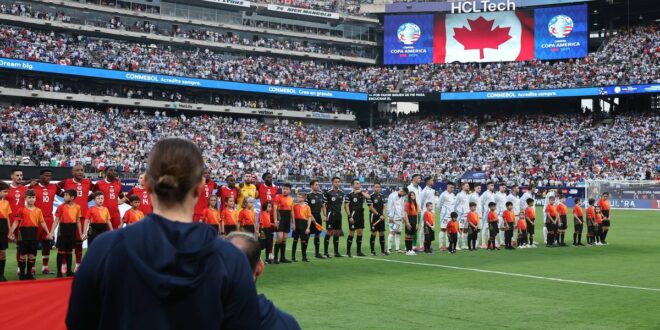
[(358, 220), (493, 228), (333, 221), (413, 226), (4, 231), (579, 227), (590, 229), (312, 228), (563, 222), (429, 234), (606, 213), (301, 227), (66, 237), (530, 227), (230, 229), (284, 217), (551, 226), (248, 229), (96, 229), (380, 226), (28, 247), (606, 223)]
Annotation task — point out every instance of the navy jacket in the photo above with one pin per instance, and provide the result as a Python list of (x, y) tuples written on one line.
[(273, 318), (161, 274)]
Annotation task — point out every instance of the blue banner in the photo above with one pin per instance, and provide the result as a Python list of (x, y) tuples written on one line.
[(561, 32), (408, 39), (551, 93), (6, 63)]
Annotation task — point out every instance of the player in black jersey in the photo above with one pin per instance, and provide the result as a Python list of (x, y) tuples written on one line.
[(333, 199), (315, 202), (354, 206), (377, 209)]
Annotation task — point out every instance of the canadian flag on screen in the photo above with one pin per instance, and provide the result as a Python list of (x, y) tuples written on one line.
[(484, 37)]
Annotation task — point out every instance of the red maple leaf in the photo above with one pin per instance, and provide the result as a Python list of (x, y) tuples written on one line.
[(482, 35)]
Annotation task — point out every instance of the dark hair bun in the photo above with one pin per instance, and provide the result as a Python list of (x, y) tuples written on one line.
[(175, 168)]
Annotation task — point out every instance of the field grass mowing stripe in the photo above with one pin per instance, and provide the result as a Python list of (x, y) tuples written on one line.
[(515, 274)]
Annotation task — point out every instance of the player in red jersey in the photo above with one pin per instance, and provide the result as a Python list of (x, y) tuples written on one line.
[(45, 192), (230, 190), (266, 191), (204, 193), (16, 199), (141, 192), (111, 189), (82, 186)]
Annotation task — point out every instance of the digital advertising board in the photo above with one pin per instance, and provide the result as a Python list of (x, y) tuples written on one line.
[(487, 36)]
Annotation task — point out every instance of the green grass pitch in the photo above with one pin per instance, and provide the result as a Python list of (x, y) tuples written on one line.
[(378, 294)]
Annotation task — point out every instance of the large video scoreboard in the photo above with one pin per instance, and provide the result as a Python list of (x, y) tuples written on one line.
[(487, 36)]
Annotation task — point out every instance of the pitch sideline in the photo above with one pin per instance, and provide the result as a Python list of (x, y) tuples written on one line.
[(515, 274)]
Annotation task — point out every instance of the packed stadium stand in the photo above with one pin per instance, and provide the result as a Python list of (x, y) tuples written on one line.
[(561, 150)]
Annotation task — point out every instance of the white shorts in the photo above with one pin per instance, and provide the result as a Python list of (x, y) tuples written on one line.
[(462, 220), (397, 225), (444, 219)]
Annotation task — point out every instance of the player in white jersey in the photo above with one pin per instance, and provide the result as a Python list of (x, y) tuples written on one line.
[(529, 194), (447, 204), (462, 208), (500, 207), (486, 198), (395, 204), (515, 200), (426, 196), (550, 193), (474, 198)]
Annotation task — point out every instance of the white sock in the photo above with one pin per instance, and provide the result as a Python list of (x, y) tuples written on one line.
[(464, 240), (545, 235), (389, 241), (397, 241)]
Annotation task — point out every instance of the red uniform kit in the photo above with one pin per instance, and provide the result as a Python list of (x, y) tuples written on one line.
[(44, 201), (203, 200), (224, 193), (82, 189), (145, 199), (267, 194), (111, 191), (16, 199)]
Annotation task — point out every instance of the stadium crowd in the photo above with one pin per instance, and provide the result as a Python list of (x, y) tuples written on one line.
[(549, 150), (630, 57)]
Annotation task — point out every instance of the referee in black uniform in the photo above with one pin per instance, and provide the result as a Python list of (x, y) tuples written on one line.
[(354, 205), (333, 199), (376, 204), (315, 202)]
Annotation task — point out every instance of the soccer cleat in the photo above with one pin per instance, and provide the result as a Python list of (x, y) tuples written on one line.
[(46, 271), (349, 255), (285, 261), (373, 253), (319, 256), (411, 253), (70, 274), (399, 251), (276, 262), (360, 254), (3, 278), (305, 260), (337, 255), (458, 248), (294, 260), (386, 253)]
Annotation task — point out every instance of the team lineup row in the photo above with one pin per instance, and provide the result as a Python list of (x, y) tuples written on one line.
[(27, 209)]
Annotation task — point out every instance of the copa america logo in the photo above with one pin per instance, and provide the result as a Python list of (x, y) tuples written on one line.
[(560, 26), (409, 33)]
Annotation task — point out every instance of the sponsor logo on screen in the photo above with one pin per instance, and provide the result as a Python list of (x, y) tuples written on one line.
[(560, 26), (409, 33)]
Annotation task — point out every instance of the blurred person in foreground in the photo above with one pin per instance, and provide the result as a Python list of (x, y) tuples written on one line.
[(271, 317), (165, 272)]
